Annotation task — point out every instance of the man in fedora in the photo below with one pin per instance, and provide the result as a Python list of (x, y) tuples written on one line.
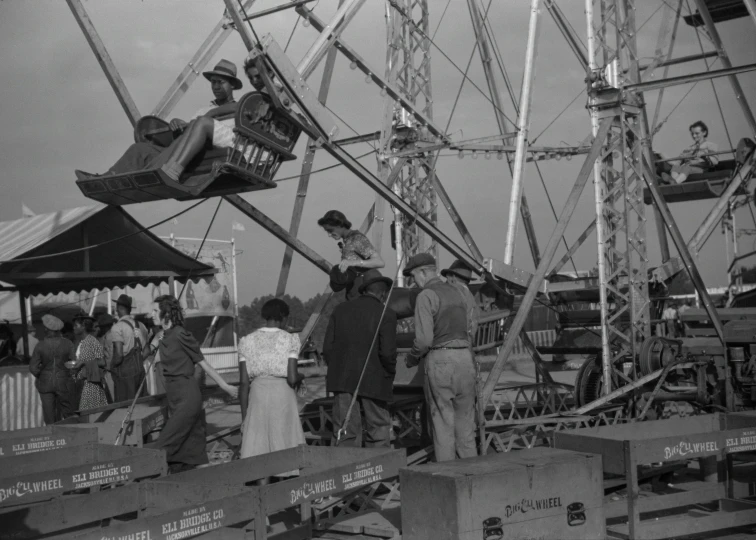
[(128, 337), (223, 82), (442, 337), (54, 382), (350, 341)]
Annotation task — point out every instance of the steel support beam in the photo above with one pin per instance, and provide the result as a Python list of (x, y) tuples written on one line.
[(282, 7), (484, 49), (715, 215), (329, 34), (751, 7), (279, 232), (362, 65), (725, 59), (568, 32), (192, 70), (694, 77), (106, 63), (680, 60), (688, 261), (455, 217), (523, 128), (533, 288), (304, 178)]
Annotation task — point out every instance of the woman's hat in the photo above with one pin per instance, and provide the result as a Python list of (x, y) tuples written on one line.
[(373, 276), (52, 323), (82, 317), (227, 70), (459, 269), (342, 280), (334, 216)]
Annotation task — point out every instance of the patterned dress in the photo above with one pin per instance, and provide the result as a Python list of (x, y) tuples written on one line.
[(272, 422), (356, 246), (91, 355)]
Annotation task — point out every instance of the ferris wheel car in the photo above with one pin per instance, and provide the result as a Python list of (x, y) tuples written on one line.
[(710, 184), (264, 138)]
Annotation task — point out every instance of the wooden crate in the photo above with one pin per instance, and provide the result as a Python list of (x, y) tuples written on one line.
[(29, 478), (145, 420), (539, 493), (43, 439), (205, 500), (624, 447)]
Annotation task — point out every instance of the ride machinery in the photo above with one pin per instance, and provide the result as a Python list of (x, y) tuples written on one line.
[(632, 371)]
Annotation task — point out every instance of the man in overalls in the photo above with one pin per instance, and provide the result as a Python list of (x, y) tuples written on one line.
[(441, 336)]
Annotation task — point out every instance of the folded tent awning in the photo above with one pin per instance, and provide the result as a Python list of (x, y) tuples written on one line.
[(138, 259)]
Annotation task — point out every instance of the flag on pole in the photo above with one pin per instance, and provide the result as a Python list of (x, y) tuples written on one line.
[(26, 211), (236, 226)]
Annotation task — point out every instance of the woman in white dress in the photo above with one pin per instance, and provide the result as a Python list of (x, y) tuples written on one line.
[(270, 355)]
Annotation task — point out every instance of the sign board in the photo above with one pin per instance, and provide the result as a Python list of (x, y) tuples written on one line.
[(30, 441)]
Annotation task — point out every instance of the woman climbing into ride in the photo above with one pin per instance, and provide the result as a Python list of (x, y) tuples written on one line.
[(357, 252), (183, 435), (268, 366)]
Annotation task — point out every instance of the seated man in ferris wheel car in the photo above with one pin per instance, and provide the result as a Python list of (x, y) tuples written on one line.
[(210, 125)]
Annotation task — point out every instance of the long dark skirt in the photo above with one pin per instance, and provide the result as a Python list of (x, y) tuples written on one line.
[(183, 435)]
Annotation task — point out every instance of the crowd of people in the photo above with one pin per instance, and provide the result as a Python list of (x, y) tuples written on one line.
[(115, 359)]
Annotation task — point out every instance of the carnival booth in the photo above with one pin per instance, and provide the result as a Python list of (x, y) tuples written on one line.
[(83, 253)]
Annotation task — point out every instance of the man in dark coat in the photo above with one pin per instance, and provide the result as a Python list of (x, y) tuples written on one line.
[(348, 341)]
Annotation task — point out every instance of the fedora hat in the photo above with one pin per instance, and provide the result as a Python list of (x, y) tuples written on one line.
[(459, 269), (227, 70), (342, 280), (373, 276), (123, 300), (52, 323), (418, 261)]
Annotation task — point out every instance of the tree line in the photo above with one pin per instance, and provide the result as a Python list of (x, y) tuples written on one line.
[(299, 313)]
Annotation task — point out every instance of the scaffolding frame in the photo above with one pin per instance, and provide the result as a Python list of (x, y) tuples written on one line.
[(619, 157)]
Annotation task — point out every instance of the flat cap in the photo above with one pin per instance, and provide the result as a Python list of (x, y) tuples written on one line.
[(418, 261)]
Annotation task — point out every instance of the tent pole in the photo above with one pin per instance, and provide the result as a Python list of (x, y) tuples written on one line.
[(25, 321)]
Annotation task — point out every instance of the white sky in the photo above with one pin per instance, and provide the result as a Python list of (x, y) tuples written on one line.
[(58, 114)]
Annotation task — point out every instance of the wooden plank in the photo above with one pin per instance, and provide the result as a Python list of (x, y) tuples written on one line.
[(42, 439), (185, 522), (87, 466), (243, 471), (333, 481), (70, 512), (703, 492), (662, 528)]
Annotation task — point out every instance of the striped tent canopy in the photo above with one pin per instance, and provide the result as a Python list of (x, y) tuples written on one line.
[(86, 248)]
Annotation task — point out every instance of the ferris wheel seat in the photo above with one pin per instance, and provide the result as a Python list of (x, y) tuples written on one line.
[(720, 10), (697, 187), (264, 138)]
